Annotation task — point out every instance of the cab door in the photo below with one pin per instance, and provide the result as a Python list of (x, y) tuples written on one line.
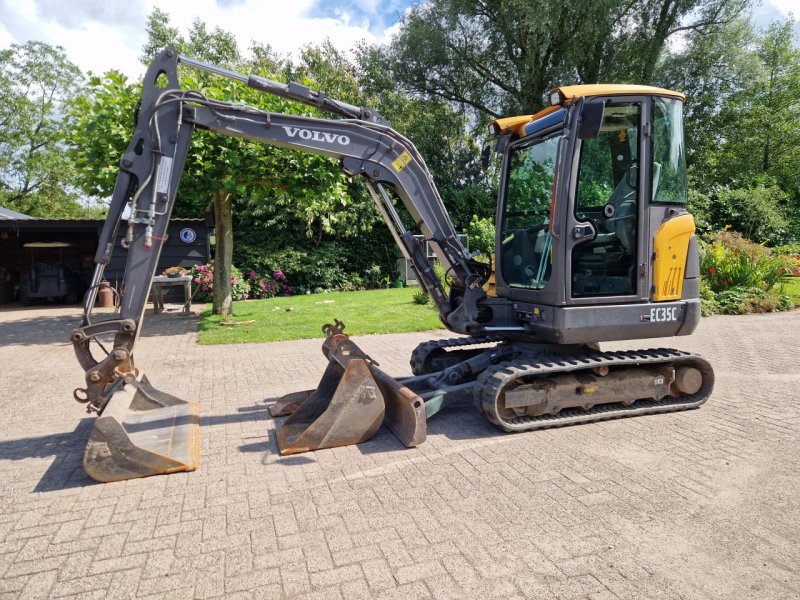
[(605, 255)]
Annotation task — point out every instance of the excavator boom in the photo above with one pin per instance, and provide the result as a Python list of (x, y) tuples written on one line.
[(150, 172)]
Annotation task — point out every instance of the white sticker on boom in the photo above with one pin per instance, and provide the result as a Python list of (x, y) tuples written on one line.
[(164, 175)]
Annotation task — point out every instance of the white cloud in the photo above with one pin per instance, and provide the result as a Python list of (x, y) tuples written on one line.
[(787, 6), (99, 35)]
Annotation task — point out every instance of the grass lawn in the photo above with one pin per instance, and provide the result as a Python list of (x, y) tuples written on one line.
[(373, 311), (791, 286)]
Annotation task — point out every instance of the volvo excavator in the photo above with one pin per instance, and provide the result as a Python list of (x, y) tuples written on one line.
[(593, 244)]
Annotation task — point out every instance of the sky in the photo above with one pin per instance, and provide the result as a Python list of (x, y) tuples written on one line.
[(99, 35)]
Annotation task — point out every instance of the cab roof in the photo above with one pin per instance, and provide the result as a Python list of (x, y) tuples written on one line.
[(567, 93)]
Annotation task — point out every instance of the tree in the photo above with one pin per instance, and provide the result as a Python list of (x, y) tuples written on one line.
[(714, 65), (273, 186), (216, 46), (102, 119), (37, 85), (500, 58), (742, 127), (758, 126), (442, 132)]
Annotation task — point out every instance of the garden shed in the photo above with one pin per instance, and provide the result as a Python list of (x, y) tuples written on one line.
[(26, 242)]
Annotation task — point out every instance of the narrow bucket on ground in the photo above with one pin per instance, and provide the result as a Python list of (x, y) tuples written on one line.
[(353, 399)]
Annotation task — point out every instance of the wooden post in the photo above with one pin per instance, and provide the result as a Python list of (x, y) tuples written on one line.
[(223, 256)]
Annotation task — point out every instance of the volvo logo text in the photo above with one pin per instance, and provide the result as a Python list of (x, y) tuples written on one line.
[(316, 136)]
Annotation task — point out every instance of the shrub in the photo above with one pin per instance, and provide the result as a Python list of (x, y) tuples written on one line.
[(746, 300), (730, 260), (438, 268), (334, 265), (481, 234), (739, 276), (268, 286), (758, 212), (203, 276), (421, 297)]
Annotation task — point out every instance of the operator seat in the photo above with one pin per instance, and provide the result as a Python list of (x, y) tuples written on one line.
[(622, 225), (518, 257)]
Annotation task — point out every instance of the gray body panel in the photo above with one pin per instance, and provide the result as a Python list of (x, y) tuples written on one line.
[(583, 324)]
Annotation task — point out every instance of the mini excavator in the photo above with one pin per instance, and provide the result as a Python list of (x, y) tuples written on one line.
[(593, 244)]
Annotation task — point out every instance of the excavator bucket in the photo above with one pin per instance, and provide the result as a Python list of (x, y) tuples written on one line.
[(143, 431), (351, 402)]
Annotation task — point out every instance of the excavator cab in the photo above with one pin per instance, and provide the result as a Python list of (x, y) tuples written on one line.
[(581, 215)]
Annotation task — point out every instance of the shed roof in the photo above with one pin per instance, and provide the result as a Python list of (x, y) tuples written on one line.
[(6, 214)]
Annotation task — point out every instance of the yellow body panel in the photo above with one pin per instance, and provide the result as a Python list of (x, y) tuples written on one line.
[(516, 124), (492, 289), (671, 246), (615, 89)]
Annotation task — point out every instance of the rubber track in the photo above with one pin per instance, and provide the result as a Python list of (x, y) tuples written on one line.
[(424, 350), (495, 379)]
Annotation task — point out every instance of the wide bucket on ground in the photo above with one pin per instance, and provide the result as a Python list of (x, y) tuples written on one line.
[(141, 432)]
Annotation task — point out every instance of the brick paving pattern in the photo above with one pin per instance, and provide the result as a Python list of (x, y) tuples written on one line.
[(702, 504)]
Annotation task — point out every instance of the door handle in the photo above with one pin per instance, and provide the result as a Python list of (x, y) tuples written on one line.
[(583, 231)]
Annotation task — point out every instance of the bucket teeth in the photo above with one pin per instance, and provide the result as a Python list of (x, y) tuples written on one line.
[(353, 399)]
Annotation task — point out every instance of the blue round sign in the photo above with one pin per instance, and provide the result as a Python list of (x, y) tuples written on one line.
[(188, 235)]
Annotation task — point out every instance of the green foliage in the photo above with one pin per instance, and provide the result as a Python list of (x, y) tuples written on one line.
[(791, 287), (481, 234), (740, 277), (203, 277), (713, 64), (501, 57), (320, 266), (217, 46), (761, 116), (267, 285), (270, 186), (442, 132), (102, 124), (421, 297), (730, 260), (443, 276), (758, 212), (37, 85), (743, 128), (745, 300), (701, 207)]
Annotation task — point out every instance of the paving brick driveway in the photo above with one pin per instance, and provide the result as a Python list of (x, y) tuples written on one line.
[(704, 504)]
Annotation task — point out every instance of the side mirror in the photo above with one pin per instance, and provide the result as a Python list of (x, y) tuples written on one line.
[(590, 120), (486, 155)]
